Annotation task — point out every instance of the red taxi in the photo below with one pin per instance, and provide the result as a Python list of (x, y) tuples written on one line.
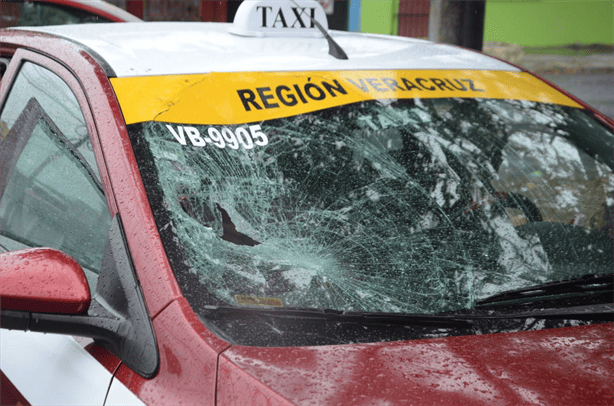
[(266, 212)]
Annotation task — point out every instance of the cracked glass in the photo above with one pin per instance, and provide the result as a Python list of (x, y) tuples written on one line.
[(395, 206)]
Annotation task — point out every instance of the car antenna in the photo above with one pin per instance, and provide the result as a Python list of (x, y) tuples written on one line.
[(333, 48)]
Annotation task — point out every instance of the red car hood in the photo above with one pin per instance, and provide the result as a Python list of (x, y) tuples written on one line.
[(565, 366)]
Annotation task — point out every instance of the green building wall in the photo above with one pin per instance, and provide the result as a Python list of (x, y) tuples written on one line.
[(549, 22), (379, 16), (524, 22)]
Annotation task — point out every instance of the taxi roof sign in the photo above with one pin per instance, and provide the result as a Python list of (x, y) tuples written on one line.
[(279, 18)]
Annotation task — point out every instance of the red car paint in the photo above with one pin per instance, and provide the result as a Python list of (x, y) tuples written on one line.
[(67, 276), (559, 366), (189, 356), (108, 360), (504, 369), (9, 395)]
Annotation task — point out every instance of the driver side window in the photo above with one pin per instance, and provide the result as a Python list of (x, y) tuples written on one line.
[(50, 191)]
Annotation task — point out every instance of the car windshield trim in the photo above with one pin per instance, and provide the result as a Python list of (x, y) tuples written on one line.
[(280, 327), (432, 320), (604, 312)]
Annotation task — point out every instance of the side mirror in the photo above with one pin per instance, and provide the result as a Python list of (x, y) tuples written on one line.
[(43, 280), (45, 290)]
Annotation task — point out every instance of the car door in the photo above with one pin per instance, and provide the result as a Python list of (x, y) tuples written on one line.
[(51, 195)]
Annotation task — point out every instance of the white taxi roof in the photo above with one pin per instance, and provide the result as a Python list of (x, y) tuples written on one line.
[(163, 48)]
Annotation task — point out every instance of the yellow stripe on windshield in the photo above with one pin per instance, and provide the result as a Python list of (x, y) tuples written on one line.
[(246, 97)]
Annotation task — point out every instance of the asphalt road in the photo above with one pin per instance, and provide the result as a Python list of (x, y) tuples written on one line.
[(596, 89)]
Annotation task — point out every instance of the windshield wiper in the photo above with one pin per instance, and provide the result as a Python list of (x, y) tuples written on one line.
[(275, 327), (425, 320), (601, 312), (583, 284)]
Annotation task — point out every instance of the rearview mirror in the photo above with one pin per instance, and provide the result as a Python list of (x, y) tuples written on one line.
[(43, 280)]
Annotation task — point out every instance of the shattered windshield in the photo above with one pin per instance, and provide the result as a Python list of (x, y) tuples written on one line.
[(369, 194), (396, 206)]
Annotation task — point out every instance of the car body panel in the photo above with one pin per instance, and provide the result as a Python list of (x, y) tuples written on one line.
[(9, 394), (568, 366), (177, 48), (78, 378), (238, 387), (116, 398), (102, 355), (188, 360)]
